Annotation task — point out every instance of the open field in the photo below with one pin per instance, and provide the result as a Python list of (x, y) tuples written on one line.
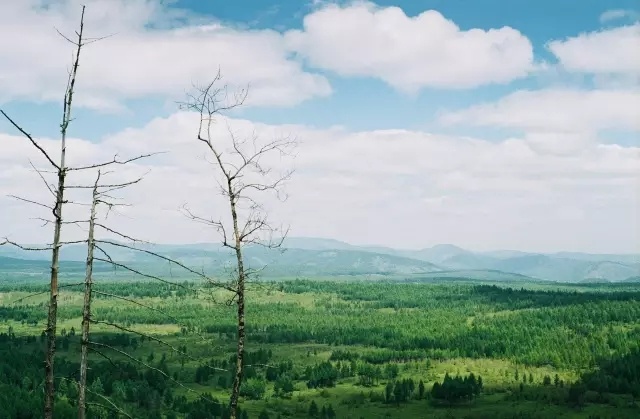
[(344, 348)]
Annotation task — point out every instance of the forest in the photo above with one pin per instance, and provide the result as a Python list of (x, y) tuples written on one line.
[(326, 349)]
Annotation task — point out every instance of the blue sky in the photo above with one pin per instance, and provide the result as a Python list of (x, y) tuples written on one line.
[(540, 21), (539, 93)]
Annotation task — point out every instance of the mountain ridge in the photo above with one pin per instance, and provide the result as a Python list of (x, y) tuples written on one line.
[(309, 256)]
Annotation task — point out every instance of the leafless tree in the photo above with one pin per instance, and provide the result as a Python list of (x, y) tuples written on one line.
[(242, 176), (100, 195), (61, 170)]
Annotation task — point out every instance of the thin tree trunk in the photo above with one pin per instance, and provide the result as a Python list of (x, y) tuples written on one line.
[(86, 309), (52, 317), (237, 381), (208, 103), (49, 386)]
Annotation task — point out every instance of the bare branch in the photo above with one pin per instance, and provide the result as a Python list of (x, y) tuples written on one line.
[(72, 242), (218, 225), (124, 236), (114, 186), (30, 202), (44, 292), (135, 271), (34, 142), (43, 179), (165, 375), (153, 338), (36, 249), (87, 40), (130, 300), (183, 266), (114, 407), (114, 161), (46, 222)]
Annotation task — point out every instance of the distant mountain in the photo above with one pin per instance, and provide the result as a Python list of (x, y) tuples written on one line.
[(454, 260), (625, 259), (311, 243), (440, 253), (471, 261), (307, 256), (304, 262)]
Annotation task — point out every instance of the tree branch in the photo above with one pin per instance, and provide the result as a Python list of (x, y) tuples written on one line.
[(143, 363), (34, 142), (30, 202), (181, 265), (114, 161)]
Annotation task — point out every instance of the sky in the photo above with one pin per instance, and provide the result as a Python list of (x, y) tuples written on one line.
[(485, 124)]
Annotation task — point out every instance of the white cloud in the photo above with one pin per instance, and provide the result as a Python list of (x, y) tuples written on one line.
[(409, 53), (155, 51), (562, 110), (610, 51), (398, 187), (617, 14)]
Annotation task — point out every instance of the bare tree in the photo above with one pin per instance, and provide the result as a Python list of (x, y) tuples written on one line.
[(86, 306), (100, 195), (242, 175), (61, 170)]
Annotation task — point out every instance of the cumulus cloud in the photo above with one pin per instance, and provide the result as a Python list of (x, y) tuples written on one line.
[(609, 51), (398, 187), (556, 121), (155, 51), (409, 53)]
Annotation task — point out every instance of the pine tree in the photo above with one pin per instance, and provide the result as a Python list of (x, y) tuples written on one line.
[(313, 409), (331, 414)]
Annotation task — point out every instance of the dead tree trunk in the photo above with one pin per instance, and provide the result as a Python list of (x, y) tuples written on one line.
[(241, 176), (240, 291), (101, 196), (61, 170), (49, 393), (86, 307)]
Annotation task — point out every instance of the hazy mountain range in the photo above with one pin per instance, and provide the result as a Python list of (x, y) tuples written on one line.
[(312, 257)]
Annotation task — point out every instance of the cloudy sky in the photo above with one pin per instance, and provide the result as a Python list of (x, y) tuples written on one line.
[(486, 124)]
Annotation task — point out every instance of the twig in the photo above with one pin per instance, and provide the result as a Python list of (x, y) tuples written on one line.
[(130, 300), (115, 161), (30, 202), (143, 363), (150, 337)]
